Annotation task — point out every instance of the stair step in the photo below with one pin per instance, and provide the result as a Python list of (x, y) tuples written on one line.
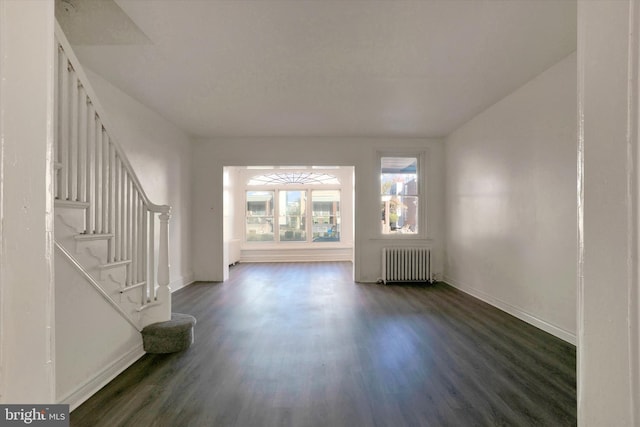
[(70, 204), (90, 237), (116, 264), (171, 336)]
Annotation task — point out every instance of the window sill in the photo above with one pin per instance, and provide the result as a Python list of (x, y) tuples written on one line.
[(402, 237), (287, 246)]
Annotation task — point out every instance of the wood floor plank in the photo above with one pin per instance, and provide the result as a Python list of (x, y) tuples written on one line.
[(301, 344)]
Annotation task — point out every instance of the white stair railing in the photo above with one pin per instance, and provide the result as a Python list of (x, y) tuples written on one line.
[(92, 168)]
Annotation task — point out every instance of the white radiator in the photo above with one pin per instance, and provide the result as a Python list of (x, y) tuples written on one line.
[(406, 265)]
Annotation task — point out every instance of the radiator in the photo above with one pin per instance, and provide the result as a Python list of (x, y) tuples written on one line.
[(406, 265)]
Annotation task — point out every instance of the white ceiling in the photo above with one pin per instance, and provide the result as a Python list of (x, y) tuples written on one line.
[(319, 67)]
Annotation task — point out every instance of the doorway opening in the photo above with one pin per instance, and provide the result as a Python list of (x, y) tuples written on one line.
[(288, 214)]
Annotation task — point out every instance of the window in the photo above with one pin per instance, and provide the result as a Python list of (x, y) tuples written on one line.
[(259, 216), (325, 211), (399, 195), (279, 204), (292, 207)]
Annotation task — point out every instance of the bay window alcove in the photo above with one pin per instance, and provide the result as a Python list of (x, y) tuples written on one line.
[(301, 213)]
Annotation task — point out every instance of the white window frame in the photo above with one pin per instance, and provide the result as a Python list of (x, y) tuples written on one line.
[(421, 156), (309, 188), (308, 214)]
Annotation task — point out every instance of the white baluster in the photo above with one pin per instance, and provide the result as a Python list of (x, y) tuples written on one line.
[(125, 224), (106, 145), (144, 242), (73, 138), (138, 235), (82, 144), (142, 235), (145, 249), (64, 128), (91, 169), (130, 231), (141, 240), (56, 141), (151, 265), (116, 209), (134, 236), (112, 199), (99, 180), (164, 291)]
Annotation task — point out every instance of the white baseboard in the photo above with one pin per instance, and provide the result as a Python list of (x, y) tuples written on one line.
[(299, 255), (91, 386), (514, 311), (271, 259), (181, 282)]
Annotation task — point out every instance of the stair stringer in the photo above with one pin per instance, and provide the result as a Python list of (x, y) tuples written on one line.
[(90, 255)]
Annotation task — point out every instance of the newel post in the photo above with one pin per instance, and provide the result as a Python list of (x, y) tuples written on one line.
[(164, 291)]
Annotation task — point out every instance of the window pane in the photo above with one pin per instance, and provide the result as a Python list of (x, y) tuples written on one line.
[(291, 219), (399, 195), (259, 225), (326, 215)]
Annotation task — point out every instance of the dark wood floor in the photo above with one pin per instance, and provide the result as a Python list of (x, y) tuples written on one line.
[(303, 345)]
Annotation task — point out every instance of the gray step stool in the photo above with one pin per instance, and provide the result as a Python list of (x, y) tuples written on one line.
[(171, 336)]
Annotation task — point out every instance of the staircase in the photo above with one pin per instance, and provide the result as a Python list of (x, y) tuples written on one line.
[(105, 225), (112, 247)]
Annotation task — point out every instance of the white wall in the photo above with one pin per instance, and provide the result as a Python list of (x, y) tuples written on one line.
[(160, 154), (608, 285), (94, 342), (232, 230), (26, 204), (210, 156), (511, 202)]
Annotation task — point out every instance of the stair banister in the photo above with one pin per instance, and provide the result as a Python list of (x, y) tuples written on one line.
[(93, 168), (97, 107), (62, 40), (96, 285)]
